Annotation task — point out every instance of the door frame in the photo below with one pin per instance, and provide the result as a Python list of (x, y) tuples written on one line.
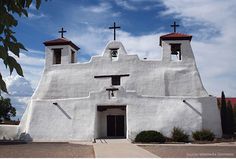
[(101, 122)]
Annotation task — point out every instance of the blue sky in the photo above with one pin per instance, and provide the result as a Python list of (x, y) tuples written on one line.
[(211, 22)]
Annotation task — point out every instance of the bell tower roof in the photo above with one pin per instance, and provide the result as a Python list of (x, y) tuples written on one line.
[(175, 36), (61, 41)]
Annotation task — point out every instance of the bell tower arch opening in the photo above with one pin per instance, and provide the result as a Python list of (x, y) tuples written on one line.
[(176, 52), (56, 56)]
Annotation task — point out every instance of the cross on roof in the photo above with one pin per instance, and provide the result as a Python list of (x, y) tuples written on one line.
[(174, 26), (62, 31), (114, 28)]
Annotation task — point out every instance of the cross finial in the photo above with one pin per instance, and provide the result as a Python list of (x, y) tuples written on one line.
[(62, 31), (174, 26), (114, 28)]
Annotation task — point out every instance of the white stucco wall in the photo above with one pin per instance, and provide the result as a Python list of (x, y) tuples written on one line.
[(147, 77), (8, 132), (142, 113), (153, 94)]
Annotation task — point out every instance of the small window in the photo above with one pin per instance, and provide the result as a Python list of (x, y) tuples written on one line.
[(56, 56), (114, 54), (72, 56), (175, 52), (115, 80)]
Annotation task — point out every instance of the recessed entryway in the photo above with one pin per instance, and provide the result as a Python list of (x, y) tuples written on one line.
[(111, 121)]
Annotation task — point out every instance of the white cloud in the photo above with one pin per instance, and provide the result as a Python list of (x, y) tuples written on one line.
[(20, 91), (18, 86), (146, 46), (32, 66), (100, 8), (29, 60), (92, 40), (35, 51), (202, 10), (31, 15), (135, 5), (125, 4)]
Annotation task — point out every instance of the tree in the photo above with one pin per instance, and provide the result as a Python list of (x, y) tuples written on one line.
[(6, 109), (8, 42), (218, 103), (234, 112), (223, 113), (230, 118)]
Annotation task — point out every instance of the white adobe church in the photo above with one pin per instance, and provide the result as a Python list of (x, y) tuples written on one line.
[(118, 95)]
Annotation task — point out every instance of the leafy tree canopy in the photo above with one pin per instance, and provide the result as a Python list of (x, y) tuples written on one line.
[(8, 42), (6, 109)]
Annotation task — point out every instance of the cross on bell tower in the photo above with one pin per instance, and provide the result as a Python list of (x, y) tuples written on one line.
[(114, 28), (62, 31), (174, 26)]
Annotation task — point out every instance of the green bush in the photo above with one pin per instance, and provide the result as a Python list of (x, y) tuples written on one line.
[(178, 135), (150, 136), (203, 135)]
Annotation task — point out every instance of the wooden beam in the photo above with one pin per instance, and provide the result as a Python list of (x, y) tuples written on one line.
[(104, 76)]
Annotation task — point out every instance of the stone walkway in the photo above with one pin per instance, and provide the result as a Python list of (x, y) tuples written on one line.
[(112, 148)]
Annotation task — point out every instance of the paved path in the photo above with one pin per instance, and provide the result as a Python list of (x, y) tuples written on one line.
[(119, 149)]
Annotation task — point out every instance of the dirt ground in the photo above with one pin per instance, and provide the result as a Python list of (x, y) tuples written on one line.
[(190, 151), (46, 150), (67, 150)]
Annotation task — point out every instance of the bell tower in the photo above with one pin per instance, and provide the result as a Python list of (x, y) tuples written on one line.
[(176, 46), (60, 51)]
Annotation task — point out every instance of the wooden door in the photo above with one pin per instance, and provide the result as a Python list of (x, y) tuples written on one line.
[(115, 126), (111, 125), (120, 125)]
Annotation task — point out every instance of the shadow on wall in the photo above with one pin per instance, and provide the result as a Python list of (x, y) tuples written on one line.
[(194, 109), (62, 110)]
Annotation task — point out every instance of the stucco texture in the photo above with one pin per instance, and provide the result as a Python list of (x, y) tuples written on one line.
[(157, 95)]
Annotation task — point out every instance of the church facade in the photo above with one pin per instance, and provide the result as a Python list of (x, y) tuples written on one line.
[(118, 95)]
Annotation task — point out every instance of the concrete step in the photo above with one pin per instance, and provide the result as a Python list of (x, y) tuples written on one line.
[(111, 141)]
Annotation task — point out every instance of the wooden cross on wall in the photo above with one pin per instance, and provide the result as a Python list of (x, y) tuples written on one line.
[(114, 28), (174, 26), (62, 31)]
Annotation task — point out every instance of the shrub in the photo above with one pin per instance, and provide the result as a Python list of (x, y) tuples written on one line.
[(150, 136), (203, 135), (178, 135)]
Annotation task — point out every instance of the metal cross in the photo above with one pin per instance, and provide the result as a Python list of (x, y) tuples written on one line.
[(174, 26), (114, 28), (62, 31)]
